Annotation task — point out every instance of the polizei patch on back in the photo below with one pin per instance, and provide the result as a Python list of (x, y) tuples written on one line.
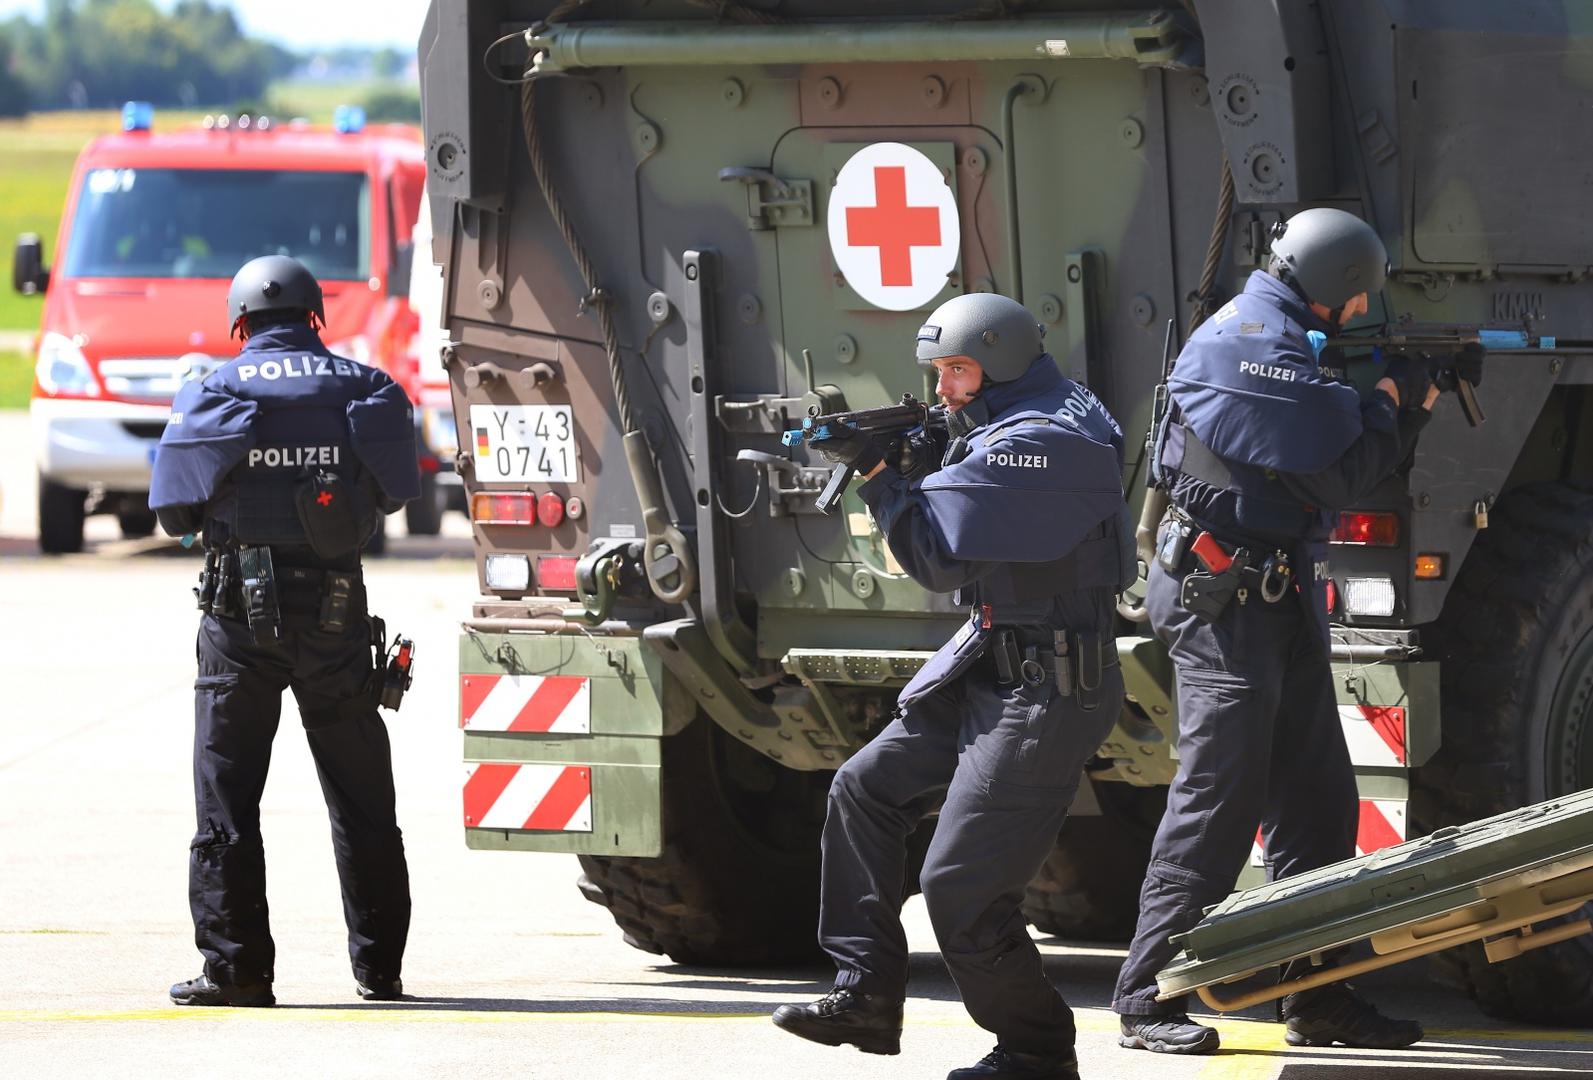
[(893, 226)]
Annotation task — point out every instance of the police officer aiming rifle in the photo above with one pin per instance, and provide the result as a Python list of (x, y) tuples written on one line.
[(1024, 518), (285, 459), (1261, 448)]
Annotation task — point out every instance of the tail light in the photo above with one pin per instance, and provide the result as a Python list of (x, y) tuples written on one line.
[(556, 572), (503, 508), (1366, 528), (550, 510)]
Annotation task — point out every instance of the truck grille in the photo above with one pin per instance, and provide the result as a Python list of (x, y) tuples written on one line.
[(149, 378)]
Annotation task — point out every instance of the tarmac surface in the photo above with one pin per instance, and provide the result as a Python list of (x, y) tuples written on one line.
[(512, 973)]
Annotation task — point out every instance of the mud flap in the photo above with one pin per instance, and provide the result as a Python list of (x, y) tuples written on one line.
[(1492, 879), (562, 742)]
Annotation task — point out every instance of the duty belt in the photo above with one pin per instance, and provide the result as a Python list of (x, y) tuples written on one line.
[(1074, 661), (1217, 572), (244, 584)]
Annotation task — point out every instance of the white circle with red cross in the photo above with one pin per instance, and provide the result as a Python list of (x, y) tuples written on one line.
[(893, 226)]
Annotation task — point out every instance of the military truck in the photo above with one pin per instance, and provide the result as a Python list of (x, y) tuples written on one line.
[(669, 230)]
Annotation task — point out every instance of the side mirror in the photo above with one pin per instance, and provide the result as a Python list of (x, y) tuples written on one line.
[(29, 275), (398, 275)]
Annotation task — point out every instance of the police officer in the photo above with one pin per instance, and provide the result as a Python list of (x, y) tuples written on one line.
[(1025, 520), (1263, 449), (285, 458)]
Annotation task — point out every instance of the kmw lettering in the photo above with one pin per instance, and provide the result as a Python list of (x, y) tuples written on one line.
[(281, 457), (296, 367), (1267, 371)]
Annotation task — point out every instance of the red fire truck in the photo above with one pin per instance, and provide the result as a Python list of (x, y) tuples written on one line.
[(155, 225)]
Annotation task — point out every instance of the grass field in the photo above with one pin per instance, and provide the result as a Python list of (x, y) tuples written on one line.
[(16, 379)]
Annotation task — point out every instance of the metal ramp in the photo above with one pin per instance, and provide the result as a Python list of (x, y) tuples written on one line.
[(1491, 880)]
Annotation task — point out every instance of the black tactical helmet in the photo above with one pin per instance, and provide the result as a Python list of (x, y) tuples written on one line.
[(998, 332), (1330, 255), (273, 283)]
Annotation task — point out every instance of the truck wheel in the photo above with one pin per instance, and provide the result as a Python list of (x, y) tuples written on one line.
[(423, 516), (136, 522), (1088, 887), (61, 514), (1516, 642), (738, 882)]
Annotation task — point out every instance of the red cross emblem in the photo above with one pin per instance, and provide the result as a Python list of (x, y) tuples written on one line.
[(893, 226), (325, 498)]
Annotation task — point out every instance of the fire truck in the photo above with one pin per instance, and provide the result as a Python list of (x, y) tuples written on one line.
[(156, 224)]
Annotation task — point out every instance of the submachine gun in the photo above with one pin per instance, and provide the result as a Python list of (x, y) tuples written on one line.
[(912, 429), (1439, 344)]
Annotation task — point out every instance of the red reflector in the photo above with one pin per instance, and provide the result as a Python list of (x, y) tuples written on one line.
[(556, 572), (550, 509), (1367, 528), (1332, 597), (503, 509)]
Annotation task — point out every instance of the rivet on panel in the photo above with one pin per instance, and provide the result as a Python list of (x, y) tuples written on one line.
[(732, 93), (934, 91), (845, 348), (1132, 132), (830, 94), (1051, 309)]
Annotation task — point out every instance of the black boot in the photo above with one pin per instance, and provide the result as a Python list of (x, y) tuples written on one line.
[(1337, 1013), (1168, 1033), (376, 988), (205, 991), (1004, 1064), (870, 1022)]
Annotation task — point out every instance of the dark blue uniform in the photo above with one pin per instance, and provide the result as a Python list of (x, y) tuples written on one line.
[(1028, 528), (233, 461), (1266, 450)]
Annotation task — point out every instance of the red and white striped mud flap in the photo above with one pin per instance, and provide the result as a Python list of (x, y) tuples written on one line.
[(529, 704), (1382, 824), (1375, 734), (546, 797)]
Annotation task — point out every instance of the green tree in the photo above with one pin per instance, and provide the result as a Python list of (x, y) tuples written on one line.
[(13, 92)]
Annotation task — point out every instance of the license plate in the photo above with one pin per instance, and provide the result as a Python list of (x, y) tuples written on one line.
[(524, 442)]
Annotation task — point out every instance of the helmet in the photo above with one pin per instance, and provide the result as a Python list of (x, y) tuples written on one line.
[(1329, 255), (273, 283), (998, 332)]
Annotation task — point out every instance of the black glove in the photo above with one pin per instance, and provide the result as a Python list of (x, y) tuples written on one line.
[(1412, 378), (851, 447), (920, 453), (1467, 363)]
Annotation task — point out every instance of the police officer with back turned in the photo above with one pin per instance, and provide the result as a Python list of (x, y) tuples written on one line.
[(1262, 448), (1025, 521), (285, 458)]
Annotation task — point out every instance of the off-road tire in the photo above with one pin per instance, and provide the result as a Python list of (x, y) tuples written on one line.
[(1088, 887), (738, 882), (423, 515), (1516, 642), (62, 511)]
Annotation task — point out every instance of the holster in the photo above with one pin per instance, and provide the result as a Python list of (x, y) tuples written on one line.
[(260, 602)]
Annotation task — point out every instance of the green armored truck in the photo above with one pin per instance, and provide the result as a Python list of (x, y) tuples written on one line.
[(671, 230)]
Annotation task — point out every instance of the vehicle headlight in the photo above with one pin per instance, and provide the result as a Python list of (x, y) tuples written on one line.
[(63, 369)]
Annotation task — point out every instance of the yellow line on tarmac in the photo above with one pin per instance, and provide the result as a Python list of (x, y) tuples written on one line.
[(1251, 1050)]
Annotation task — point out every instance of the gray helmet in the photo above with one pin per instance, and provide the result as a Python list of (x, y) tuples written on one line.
[(1331, 255), (998, 332), (273, 283)]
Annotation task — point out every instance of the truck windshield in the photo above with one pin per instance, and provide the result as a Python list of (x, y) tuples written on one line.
[(205, 223)]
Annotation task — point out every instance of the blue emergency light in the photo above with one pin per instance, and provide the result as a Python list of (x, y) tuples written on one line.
[(138, 116), (348, 120)]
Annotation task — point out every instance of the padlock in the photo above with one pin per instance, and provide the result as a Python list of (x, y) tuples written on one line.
[(1479, 514)]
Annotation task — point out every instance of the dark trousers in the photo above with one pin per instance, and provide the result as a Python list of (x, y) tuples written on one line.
[(1259, 744), (237, 704), (1006, 761)]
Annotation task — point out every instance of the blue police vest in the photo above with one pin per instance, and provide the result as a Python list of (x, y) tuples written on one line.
[(1254, 403), (240, 441), (1039, 493)]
